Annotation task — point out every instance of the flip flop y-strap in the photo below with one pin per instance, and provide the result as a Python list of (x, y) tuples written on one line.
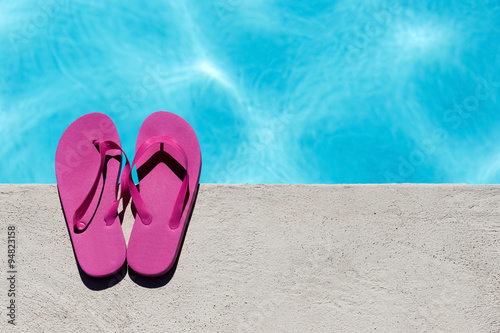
[(104, 146), (175, 150)]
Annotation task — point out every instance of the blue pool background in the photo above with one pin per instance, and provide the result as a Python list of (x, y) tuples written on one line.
[(278, 91)]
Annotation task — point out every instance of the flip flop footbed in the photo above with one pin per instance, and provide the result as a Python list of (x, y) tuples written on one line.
[(99, 249), (153, 248)]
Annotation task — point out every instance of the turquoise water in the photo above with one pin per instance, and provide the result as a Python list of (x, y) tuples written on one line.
[(277, 91)]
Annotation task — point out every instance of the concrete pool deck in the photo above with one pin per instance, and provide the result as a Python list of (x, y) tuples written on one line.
[(275, 258)]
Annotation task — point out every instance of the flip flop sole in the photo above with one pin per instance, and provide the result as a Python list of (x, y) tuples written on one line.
[(100, 249), (154, 248)]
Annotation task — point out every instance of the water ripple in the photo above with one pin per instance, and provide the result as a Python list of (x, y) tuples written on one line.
[(278, 91)]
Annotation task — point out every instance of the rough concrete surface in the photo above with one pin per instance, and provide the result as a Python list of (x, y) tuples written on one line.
[(275, 258)]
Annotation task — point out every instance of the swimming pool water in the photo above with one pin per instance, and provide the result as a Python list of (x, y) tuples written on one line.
[(277, 91)]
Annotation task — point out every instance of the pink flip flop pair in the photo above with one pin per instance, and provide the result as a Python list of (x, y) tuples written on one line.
[(88, 164)]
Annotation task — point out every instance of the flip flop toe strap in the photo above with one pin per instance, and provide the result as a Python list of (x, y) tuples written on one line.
[(78, 218), (172, 147)]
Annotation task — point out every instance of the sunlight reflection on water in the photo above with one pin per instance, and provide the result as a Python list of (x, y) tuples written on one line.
[(277, 91)]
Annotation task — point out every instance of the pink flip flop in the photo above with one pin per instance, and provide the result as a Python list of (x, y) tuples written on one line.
[(88, 163), (168, 161)]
